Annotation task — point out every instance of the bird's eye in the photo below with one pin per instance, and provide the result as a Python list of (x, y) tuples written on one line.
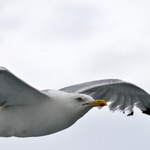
[(79, 99)]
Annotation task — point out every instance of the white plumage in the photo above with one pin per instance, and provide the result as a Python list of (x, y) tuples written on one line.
[(26, 112)]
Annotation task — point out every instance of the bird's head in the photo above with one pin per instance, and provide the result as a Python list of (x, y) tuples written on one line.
[(73, 106), (80, 104)]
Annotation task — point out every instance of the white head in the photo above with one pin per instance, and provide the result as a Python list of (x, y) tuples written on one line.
[(79, 104)]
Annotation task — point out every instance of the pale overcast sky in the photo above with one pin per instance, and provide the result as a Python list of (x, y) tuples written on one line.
[(53, 44)]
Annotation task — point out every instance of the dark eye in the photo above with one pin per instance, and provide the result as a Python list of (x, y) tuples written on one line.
[(79, 99)]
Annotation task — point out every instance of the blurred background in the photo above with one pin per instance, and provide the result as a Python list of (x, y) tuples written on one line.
[(51, 44)]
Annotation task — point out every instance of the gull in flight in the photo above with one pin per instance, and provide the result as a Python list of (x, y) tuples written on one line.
[(28, 112)]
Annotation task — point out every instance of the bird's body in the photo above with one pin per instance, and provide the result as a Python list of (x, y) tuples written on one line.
[(27, 112), (39, 119)]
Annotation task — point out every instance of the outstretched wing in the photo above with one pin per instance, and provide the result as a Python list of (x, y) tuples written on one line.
[(14, 92), (122, 95)]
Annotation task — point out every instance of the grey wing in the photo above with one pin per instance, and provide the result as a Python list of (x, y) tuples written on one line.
[(122, 95), (14, 91)]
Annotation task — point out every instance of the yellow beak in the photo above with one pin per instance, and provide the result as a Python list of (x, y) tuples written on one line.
[(99, 102)]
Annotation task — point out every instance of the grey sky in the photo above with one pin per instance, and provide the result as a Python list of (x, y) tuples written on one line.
[(53, 44)]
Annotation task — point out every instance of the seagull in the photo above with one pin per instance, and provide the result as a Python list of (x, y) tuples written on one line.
[(28, 112)]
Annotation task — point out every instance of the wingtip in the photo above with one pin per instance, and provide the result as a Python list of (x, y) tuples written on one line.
[(147, 111), (131, 113)]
